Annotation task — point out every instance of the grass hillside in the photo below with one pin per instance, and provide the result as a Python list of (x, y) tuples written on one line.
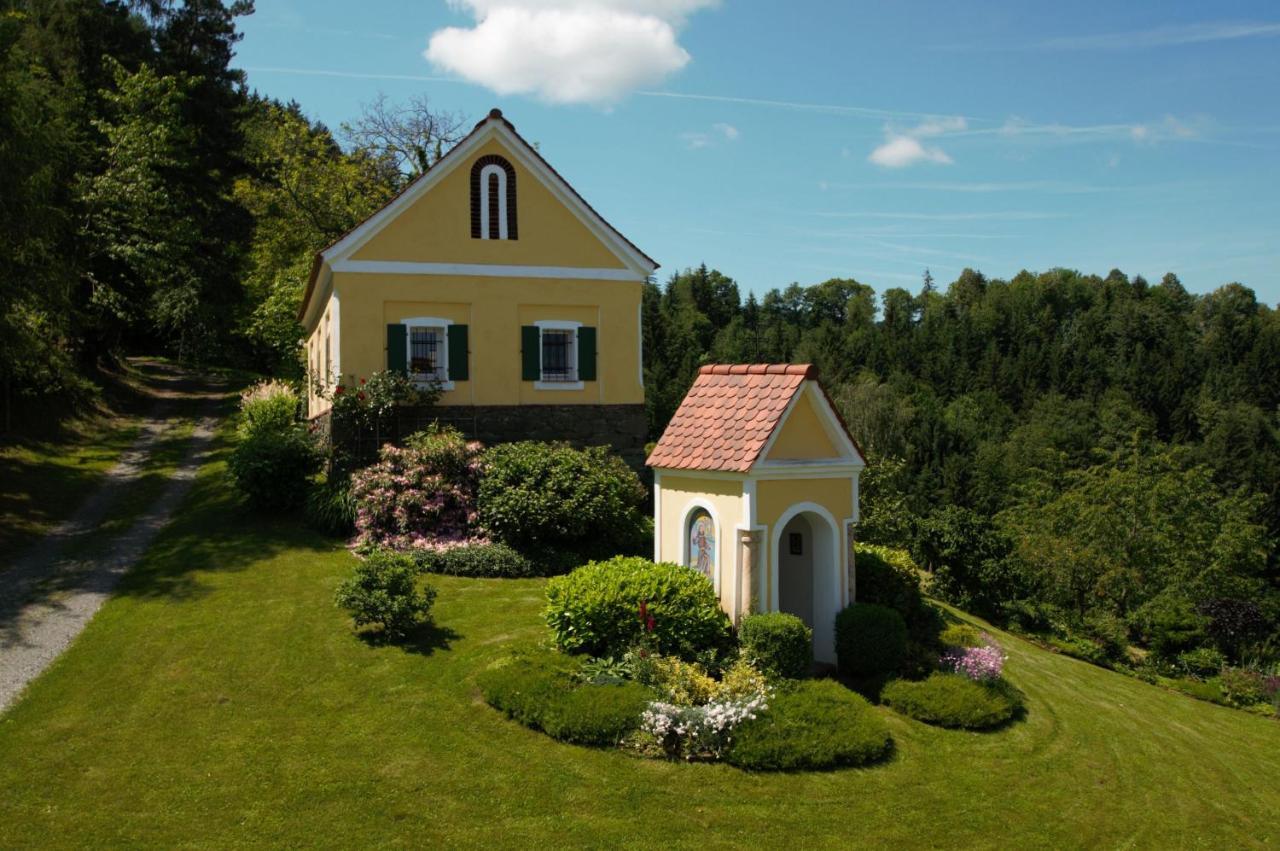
[(221, 699)]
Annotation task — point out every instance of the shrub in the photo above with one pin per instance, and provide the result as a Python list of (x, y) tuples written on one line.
[(980, 664), (1079, 647), (383, 590), (1109, 632), (275, 457), (479, 560), (962, 635), (405, 501), (678, 681), (1202, 662), (330, 508), (605, 607), (870, 639), (541, 690), (951, 700), (536, 496), (1169, 625), (777, 644), (595, 714), (889, 577), (1032, 616), (816, 724), (1233, 624), (699, 731), (1243, 687)]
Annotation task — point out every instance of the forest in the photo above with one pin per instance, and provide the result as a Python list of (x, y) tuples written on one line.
[(1098, 456)]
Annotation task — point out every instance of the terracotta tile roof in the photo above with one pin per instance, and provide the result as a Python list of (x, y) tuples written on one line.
[(728, 415)]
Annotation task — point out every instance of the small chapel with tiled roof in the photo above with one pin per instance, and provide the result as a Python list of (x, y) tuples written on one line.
[(756, 486)]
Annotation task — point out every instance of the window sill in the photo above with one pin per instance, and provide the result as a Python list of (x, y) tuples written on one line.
[(427, 385), (558, 385)]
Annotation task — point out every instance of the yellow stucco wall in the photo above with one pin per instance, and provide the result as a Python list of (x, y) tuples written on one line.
[(437, 227), (774, 497), (725, 498), (802, 435), (315, 359), (494, 309)]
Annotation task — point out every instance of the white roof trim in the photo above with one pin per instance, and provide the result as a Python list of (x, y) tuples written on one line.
[(492, 128), (482, 270)]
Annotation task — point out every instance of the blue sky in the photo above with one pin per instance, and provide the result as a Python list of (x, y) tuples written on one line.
[(802, 141)]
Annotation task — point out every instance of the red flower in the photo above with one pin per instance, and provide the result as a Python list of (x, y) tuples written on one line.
[(362, 381), (645, 618), (339, 390), (360, 395)]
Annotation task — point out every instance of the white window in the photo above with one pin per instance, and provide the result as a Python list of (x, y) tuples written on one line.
[(427, 350), (558, 351)]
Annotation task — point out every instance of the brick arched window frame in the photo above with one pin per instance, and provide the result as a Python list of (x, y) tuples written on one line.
[(493, 198)]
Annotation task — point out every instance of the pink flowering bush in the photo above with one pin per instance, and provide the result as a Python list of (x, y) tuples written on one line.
[(984, 663), (420, 497)]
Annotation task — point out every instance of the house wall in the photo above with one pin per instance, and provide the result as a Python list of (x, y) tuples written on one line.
[(676, 495), (494, 309), (323, 331), (437, 228)]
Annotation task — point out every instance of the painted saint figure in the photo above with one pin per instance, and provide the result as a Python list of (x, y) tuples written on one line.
[(702, 544)]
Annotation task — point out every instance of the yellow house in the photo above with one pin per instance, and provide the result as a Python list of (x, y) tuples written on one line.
[(756, 486), (491, 277)]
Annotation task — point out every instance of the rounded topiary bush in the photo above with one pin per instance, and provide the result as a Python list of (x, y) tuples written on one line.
[(480, 560), (815, 724), (605, 607), (549, 496), (778, 644), (543, 691), (870, 639), (952, 700), (383, 590)]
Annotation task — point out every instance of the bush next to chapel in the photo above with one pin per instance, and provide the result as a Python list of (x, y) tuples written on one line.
[(778, 644), (603, 608), (275, 457)]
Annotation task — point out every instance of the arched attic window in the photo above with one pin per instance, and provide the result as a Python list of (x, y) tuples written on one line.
[(493, 198)]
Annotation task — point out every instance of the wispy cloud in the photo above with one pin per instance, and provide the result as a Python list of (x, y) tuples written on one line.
[(1167, 36), (902, 148), (1056, 187), (719, 132), (802, 106), (1005, 215)]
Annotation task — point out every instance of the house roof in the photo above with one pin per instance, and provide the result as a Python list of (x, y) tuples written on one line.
[(728, 416), (447, 163)]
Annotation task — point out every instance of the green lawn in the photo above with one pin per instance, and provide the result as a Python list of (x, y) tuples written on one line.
[(220, 699), (43, 482)]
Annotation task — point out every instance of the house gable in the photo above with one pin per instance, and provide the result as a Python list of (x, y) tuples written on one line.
[(802, 435), (436, 226)]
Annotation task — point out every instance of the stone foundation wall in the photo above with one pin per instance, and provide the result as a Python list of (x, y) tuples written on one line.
[(624, 427)]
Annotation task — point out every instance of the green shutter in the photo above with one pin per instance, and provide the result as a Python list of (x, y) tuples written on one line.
[(398, 349), (457, 352), (530, 353), (586, 354)]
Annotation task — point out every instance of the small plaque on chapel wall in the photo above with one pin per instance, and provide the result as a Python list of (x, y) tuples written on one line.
[(796, 541)]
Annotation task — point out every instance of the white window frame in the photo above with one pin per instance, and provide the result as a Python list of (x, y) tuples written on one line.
[(485, 173), (442, 325), (558, 325)]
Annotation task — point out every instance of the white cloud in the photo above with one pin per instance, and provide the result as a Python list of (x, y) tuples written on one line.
[(729, 132), (902, 148), (565, 51)]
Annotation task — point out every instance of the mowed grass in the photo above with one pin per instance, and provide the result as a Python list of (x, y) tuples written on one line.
[(220, 699), (43, 482)]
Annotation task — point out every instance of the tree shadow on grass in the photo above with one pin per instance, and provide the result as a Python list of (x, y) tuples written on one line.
[(425, 640)]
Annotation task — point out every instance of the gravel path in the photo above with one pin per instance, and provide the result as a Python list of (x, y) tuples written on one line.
[(47, 597)]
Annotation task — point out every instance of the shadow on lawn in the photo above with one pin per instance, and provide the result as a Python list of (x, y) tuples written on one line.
[(425, 640)]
